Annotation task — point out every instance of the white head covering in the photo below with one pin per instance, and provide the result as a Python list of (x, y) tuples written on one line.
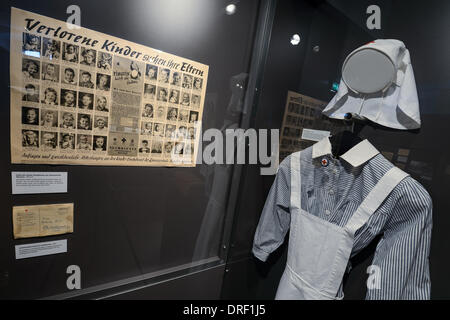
[(397, 106)]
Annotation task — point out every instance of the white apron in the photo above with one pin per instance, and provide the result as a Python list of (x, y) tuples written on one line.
[(319, 251)]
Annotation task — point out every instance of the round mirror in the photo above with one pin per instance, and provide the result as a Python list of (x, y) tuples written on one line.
[(368, 71)]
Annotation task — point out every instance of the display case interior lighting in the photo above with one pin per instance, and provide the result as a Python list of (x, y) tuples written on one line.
[(295, 40), (230, 9)]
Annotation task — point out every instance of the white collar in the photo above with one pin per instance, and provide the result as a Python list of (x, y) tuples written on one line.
[(356, 156)]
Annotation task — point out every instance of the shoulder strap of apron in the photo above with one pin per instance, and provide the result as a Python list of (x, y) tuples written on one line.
[(295, 181), (375, 198)]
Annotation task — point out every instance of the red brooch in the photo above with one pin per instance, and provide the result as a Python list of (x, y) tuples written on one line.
[(324, 162)]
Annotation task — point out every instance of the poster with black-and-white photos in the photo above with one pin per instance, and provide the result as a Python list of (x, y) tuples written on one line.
[(83, 97)]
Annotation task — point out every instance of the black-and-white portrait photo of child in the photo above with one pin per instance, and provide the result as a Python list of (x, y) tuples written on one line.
[(168, 147), (50, 72), (88, 57), (99, 143), (182, 132), (103, 82), (84, 122), (101, 123), (147, 111), (195, 102), (158, 130), (30, 69), (68, 98), (50, 96), (85, 100), (86, 79), (149, 91), (185, 99), (171, 131), (162, 94), (30, 138), (51, 49), (193, 117), (183, 115), (67, 141), (135, 70), (49, 140), (160, 112), (291, 107), (69, 76), (172, 114), (157, 147), (101, 103), (30, 116), (84, 142), (198, 84), (104, 61), (70, 52), (187, 81), (31, 45), (31, 93), (163, 76), (49, 118), (67, 120), (151, 72), (146, 128), (174, 96), (191, 133), (144, 147), (179, 148)]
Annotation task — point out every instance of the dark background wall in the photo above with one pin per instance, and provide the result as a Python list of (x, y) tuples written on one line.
[(131, 221), (338, 27)]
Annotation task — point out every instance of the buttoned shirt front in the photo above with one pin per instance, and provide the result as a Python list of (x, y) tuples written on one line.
[(332, 189)]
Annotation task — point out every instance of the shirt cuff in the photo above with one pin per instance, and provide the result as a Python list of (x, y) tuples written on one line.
[(260, 254)]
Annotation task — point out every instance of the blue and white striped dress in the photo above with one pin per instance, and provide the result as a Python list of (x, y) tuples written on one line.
[(333, 193)]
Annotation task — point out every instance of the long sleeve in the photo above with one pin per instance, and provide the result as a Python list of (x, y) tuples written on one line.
[(275, 218), (402, 255)]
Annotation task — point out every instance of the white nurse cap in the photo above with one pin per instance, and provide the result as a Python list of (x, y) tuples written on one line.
[(378, 84)]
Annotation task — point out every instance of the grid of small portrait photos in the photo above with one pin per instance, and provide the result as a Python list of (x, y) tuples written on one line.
[(170, 113), (66, 96), (303, 112), (66, 101)]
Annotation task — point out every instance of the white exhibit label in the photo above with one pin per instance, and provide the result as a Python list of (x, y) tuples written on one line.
[(314, 135), (38, 182), (41, 249)]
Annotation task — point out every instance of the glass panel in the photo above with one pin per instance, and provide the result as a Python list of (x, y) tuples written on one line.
[(309, 43)]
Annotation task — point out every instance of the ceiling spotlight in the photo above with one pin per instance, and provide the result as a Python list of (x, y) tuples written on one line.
[(230, 9), (295, 39)]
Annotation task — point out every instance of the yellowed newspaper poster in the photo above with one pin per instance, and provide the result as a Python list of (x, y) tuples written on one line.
[(82, 97), (42, 220)]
